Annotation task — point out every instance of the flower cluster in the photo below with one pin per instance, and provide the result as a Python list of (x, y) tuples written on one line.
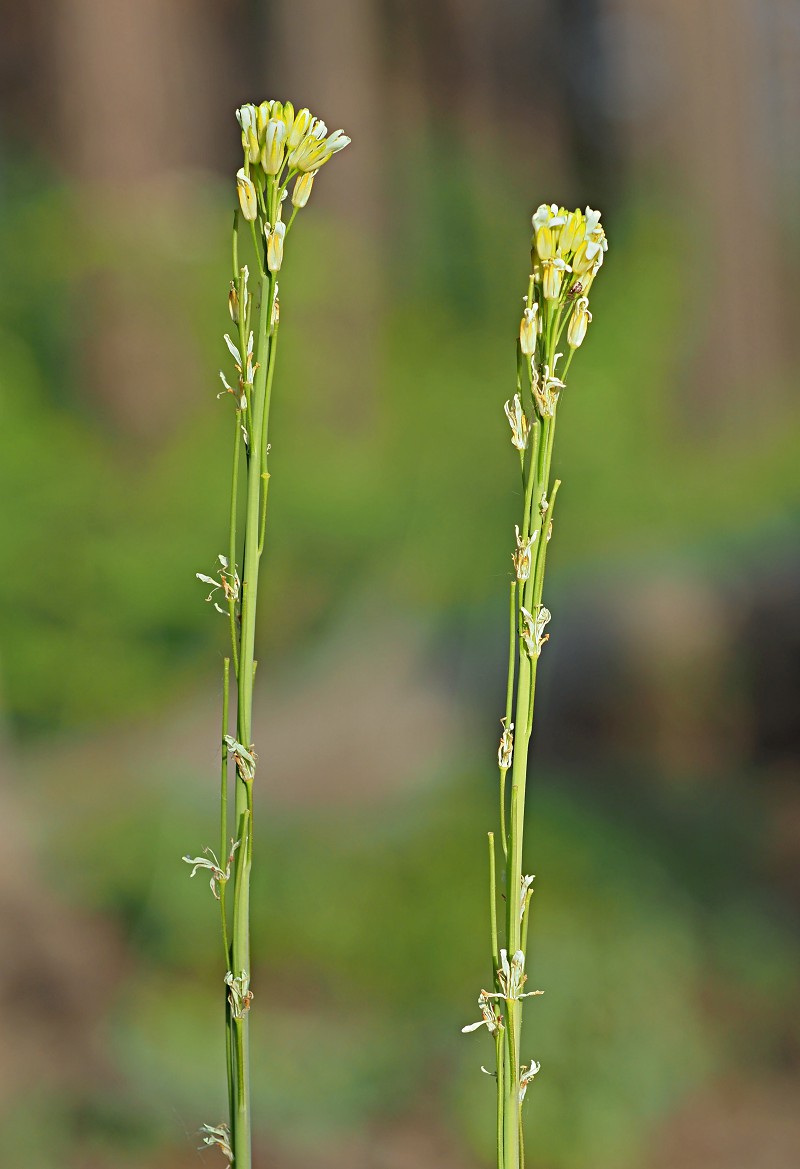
[(568, 249), (567, 252), (280, 146)]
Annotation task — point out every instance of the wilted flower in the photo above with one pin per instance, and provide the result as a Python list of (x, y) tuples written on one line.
[(525, 884), (240, 995), (546, 390), (532, 629), (209, 861), (527, 1077), (511, 978), (220, 1136), (505, 751), (523, 555), (492, 1019), (518, 421)]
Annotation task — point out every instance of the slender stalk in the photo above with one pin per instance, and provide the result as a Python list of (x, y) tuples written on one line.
[(278, 148), (567, 252)]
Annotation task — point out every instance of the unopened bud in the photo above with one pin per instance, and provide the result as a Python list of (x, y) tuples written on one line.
[(299, 128), (571, 233), (545, 243), (275, 246), (552, 277), (248, 200), (272, 154), (302, 189), (528, 328), (578, 322)]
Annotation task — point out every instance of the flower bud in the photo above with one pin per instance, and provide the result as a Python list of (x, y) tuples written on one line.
[(571, 233), (287, 117), (578, 322), (528, 329), (299, 128), (545, 243), (581, 262), (275, 246), (248, 200), (552, 277), (272, 154), (302, 188), (262, 117)]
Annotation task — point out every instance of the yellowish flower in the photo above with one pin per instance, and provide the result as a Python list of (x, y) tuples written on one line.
[(302, 188), (275, 245), (572, 233), (248, 200), (578, 322), (274, 139), (552, 277), (528, 328)]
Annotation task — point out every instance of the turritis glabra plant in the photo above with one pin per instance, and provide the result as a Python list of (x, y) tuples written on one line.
[(283, 151), (567, 253)]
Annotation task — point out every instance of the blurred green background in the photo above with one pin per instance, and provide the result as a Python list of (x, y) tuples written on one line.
[(665, 810)]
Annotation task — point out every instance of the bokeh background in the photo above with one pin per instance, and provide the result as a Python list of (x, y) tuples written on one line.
[(665, 813)]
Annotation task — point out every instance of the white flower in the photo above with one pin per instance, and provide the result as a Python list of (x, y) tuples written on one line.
[(218, 1135), (248, 200), (228, 580), (512, 977), (518, 421), (492, 1019), (209, 861), (545, 216), (532, 630), (505, 751), (523, 556), (247, 373), (527, 1078)]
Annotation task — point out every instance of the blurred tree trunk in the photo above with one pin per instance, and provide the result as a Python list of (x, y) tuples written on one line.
[(134, 109), (328, 57), (697, 81)]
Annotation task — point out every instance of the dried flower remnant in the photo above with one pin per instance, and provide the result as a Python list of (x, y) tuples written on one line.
[(218, 1136), (518, 421), (219, 876), (523, 557), (505, 752), (491, 1018)]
